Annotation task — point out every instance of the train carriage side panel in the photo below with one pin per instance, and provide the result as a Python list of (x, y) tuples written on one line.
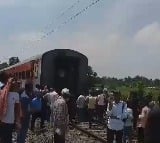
[(25, 71)]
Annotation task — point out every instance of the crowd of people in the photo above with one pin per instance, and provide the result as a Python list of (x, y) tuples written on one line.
[(124, 119), (19, 109)]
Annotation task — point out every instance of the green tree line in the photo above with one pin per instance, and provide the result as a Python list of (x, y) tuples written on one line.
[(113, 82)]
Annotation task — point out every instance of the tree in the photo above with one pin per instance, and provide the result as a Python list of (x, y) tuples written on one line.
[(156, 82), (13, 60), (92, 77), (140, 87), (3, 65), (137, 83)]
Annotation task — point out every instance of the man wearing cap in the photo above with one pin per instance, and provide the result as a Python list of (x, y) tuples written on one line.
[(61, 116)]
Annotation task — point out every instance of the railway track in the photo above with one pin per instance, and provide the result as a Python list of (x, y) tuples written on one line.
[(80, 133), (97, 134)]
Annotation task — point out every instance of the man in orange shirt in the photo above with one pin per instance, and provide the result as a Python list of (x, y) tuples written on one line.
[(12, 114)]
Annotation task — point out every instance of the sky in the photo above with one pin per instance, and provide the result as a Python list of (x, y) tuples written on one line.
[(120, 37)]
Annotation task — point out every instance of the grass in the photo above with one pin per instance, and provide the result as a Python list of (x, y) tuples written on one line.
[(155, 92)]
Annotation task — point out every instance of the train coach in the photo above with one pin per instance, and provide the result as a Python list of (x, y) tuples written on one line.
[(59, 68)]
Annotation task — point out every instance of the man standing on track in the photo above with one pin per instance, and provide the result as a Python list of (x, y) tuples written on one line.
[(50, 98), (116, 112), (25, 100), (81, 106), (61, 116), (100, 105), (91, 102), (12, 115)]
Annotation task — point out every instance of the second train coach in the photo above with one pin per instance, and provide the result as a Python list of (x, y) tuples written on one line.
[(59, 68)]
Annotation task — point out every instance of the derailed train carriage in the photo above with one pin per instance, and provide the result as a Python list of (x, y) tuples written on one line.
[(59, 68)]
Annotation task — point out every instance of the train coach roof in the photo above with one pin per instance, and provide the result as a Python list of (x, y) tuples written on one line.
[(65, 51), (55, 51)]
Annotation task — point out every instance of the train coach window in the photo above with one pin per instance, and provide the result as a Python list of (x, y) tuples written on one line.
[(31, 74), (20, 75), (27, 74), (23, 75), (16, 75)]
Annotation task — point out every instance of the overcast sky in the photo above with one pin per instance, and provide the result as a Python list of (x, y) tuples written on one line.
[(119, 37)]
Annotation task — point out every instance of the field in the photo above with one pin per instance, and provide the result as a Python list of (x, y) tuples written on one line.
[(155, 92)]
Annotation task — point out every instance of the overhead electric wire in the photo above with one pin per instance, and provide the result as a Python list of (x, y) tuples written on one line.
[(62, 14), (70, 19), (44, 31), (93, 2)]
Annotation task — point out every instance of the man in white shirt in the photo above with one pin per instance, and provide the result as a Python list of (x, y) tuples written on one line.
[(91, 102), (12, 115), (51, 97), (128, 125), (81, 104), (116, 112), (101, 101)]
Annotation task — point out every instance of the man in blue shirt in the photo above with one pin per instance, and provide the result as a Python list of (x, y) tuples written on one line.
[(36, 107), (25, 100)]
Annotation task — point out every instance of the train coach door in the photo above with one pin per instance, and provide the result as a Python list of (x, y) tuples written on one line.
[(66, 73)]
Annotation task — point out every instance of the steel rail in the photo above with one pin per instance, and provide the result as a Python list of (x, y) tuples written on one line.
[(88, 133)]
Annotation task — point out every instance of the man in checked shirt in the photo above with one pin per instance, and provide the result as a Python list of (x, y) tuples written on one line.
[(61, 116)]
